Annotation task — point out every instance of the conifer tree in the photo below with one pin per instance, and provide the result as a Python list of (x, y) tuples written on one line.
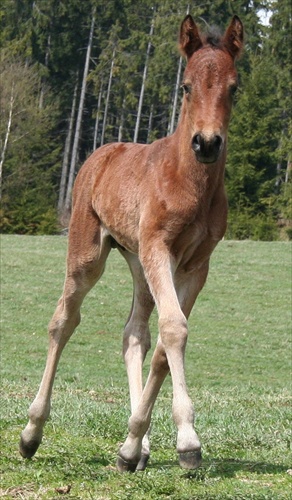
[(49, 39)]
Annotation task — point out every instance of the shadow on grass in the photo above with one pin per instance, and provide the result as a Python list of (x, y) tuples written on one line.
[(211, 468), (228, 467), (224, 468), (100, 460)]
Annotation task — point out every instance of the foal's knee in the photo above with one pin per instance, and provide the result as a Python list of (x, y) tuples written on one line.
[(173, 332)]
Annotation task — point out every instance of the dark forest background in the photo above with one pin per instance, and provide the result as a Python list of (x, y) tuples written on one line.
[(76, 75)]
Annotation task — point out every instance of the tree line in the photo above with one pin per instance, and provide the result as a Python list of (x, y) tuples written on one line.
[(76, 75)]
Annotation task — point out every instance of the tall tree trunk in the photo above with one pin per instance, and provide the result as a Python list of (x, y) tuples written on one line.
[(96, 126), (150, 121), (107, 97), (65, 164), (8, 129), (43, 81), (122, 121), (74, 155), (136, 133), (176, 90), (175, 99), (288, 171)]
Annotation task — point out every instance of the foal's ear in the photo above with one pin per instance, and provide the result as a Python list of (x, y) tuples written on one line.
[(233, 37), (189, 39)]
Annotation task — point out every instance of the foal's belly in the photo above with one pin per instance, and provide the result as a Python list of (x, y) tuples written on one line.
[(121, 224)]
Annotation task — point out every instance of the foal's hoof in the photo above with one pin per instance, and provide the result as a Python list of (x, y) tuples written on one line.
[(142, 462), (27, 450), (124, 466), (190, 459)]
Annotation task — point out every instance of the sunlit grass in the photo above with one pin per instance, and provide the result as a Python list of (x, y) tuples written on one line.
[(238, 372)]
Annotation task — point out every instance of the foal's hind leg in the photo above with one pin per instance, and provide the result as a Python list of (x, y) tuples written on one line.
[(87, 253), (131, 453), (136, 344)]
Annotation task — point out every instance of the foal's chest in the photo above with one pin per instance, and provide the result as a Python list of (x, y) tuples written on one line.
[(186, 243)]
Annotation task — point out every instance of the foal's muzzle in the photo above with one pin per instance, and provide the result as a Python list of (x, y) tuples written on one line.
[(207, 150)]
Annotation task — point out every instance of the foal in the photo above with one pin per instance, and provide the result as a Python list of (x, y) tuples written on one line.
[(164, 207)]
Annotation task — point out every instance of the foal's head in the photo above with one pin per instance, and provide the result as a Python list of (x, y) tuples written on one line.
[(209, 82)]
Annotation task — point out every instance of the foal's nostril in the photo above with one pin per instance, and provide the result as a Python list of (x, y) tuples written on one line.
[(196, 142), (217, 142)]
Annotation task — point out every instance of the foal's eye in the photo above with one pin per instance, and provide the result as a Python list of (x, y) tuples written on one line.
[(186, 88)]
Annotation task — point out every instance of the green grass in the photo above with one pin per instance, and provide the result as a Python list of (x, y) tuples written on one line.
[(238, 372)]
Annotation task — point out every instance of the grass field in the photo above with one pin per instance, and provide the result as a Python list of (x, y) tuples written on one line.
[(238, 373)]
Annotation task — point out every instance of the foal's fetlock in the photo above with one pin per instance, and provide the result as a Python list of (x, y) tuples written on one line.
[(29, 442)]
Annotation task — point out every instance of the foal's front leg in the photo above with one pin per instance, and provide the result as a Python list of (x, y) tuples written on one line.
[(169, 354)]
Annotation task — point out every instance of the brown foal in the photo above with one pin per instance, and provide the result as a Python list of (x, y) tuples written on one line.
[(164, 207)]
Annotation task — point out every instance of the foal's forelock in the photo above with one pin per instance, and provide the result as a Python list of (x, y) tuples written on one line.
[(213, 37)]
